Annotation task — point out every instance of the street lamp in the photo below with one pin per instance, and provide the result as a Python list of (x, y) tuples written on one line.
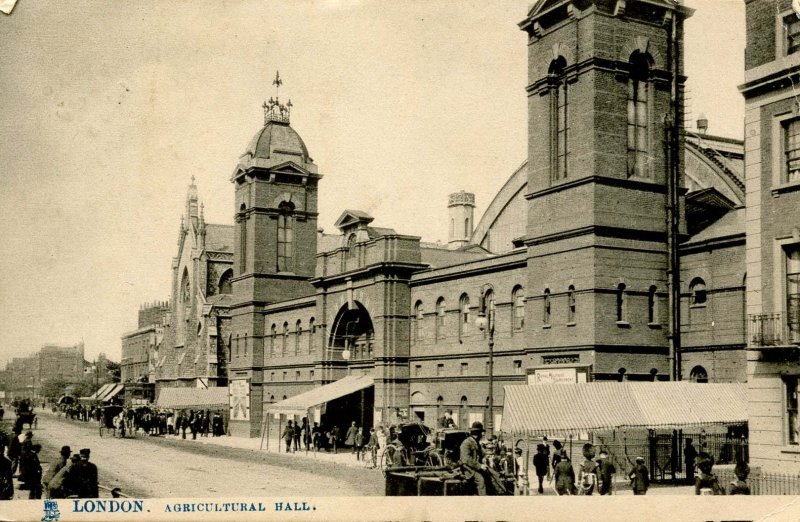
[(484, 322)]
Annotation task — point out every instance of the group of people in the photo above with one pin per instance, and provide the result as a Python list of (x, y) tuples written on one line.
[(71, 476), (706, 482), (303, 435)]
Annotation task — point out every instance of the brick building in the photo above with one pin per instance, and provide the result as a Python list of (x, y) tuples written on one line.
[(569, 262), (772, 127), (26, 375), (140, 347)]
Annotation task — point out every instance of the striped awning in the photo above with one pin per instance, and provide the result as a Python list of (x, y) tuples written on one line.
[(582, 407), (111, 391), (193, 398), (300, 404)]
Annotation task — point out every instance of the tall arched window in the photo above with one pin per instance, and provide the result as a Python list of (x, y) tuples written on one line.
[(186, 289), (273, 339), (237, 346), (312, 330), (652, 304), (558, 119), (285, 339), (285, 237), (466, 228), (242, 239), (489, 303), (417, 322), (463, 320), (571, 305), (298, 336), (698, 290), (518, 300), (225, 286), (351, 246), (638, 115), (546, 307), (441, 311), (621, 305)]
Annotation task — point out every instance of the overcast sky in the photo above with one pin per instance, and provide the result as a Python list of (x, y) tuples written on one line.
[(108, 109)]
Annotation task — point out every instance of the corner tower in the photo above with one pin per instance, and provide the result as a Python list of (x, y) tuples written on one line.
[(275, 249), (605, 170)]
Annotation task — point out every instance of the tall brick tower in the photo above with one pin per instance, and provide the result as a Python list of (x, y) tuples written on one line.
[(602, 94), (275, 248)]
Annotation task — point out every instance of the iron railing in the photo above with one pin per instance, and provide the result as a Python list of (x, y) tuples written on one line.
[(773, 329), (763, 483)]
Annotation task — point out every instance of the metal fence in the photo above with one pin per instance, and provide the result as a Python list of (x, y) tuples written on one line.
[(763, 483)]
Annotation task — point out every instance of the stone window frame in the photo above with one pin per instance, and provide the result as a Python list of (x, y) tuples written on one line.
[(312, 330), (698, 290), (441, 314), (298, 336), (559, 121), (518, 309), (463, 316), (418, 318), (782, 245), (639, 107), (780, 127), (782, 36)]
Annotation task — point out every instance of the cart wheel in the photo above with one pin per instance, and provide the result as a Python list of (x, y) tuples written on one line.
[(387, 459)]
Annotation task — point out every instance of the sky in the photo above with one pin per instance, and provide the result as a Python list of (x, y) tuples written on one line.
[(109, 108)]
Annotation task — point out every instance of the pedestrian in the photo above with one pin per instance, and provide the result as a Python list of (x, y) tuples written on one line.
[(541, 465), (316, 437), (206, 425), (359, 443), (59, 486), (640, 477), (297, 435), (706, 482), (31, 479), (288, 436), (381, 434), (558, 452), (83, 477), (689, 458), (588, 470), (194, 423), (57, 466), (305, 433), (372, 447), (739, 486), (564, 476), (6, 480), (606, 472), (471, 458), (335, 438), (170, 423), (350, 437)]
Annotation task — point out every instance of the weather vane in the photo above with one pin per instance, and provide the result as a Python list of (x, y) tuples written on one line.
[(274, 110)]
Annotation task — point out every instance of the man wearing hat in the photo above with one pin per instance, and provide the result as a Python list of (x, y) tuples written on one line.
[(84, 476), (640, 479), (471, 457), (62, 484), (606, 470), (56, 467)]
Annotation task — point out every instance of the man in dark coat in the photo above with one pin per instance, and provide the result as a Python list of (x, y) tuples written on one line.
[(288, 436), (83, 477), (564, 477), (60, 485), (30, 475), (14, 448), (57, 466), (471, 458), (6, 482), (640, 477), (689, 458), (541, 464), (606, 471)]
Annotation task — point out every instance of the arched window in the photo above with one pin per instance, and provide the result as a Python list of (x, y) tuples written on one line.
[(242, 239), (558, 119), (698, 374), (466, 229), (463, 412), (652, 306), (285, 237), (237, 345), (186, 289), (351, 246), (225, 286), (546, 307), (273, 339), (312, 330), (440, 318), (244, 343), (698, 291), (298, 335), (417, 322), (571, 305), (638, 116), (518, 300), (285, 339), (230, 347), (463, 321), (489, 304), (621, 305)]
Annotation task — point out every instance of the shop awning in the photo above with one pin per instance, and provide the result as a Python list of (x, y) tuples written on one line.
[(300, 404), (96, 395), (193, 398), (582, 407)]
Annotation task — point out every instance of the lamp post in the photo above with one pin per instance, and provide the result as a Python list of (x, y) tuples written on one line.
[(484, 322)]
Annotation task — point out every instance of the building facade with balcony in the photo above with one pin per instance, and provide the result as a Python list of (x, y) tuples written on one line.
[(772, 157)]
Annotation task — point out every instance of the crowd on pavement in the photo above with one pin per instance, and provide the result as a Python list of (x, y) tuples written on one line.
[(72, 476)]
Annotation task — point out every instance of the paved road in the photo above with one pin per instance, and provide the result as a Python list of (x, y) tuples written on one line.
[(156, 467)]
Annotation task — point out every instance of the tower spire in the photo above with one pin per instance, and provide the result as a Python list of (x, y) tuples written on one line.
[(274, 110)]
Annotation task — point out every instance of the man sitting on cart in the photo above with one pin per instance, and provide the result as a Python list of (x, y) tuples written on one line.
[(472, 457)]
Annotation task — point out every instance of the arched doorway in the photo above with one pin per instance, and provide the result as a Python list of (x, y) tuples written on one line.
[(352, 331), (698, 374)]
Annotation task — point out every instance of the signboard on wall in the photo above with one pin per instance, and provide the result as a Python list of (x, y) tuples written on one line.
[(553, 376), (239, 391)]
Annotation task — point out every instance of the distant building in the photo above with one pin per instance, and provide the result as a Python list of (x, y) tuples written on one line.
[(25, 375), (772, 145), (140, 347)]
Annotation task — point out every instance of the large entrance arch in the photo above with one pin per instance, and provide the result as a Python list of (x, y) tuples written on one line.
[(353, 331)]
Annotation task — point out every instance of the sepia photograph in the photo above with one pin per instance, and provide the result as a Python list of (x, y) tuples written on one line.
[(297, 259)]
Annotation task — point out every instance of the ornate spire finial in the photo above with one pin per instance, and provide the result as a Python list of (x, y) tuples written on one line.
[(274, 110)]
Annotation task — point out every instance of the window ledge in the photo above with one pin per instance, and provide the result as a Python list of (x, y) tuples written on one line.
[(792, 450), (623, 324), (571, 323), (700, 305), (789, 186), (654, 326), (545, 327)]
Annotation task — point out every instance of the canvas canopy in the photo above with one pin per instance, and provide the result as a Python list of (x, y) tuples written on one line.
[(300, 404), (103, 390), (583, 407), (193, 398)]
